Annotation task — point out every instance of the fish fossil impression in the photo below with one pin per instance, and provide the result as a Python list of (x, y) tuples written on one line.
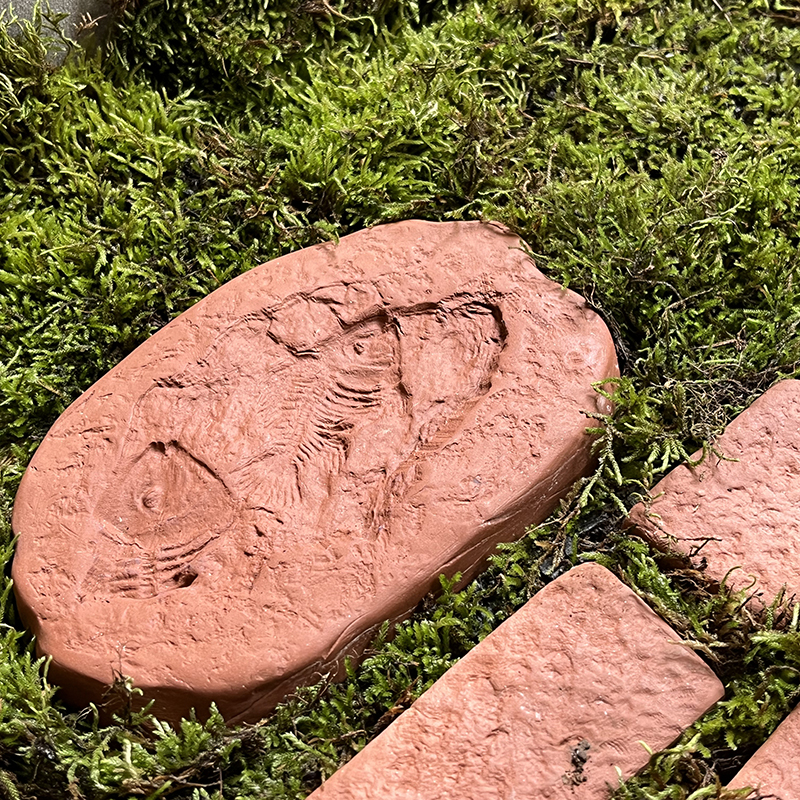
[(288, 428)]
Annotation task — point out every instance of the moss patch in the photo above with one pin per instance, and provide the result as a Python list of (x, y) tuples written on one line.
[(647, 153)]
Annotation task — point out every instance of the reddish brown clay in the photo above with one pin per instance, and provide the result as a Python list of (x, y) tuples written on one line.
[(775, 768), (740, 513), (545, 707), (237, 505)]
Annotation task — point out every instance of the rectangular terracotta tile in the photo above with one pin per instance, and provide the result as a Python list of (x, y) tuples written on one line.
[(546, 707), (742, 512), (775, 768)]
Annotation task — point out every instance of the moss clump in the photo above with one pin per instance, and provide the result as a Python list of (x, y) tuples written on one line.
[(645, 151)]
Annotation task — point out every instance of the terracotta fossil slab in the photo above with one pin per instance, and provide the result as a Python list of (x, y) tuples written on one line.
[(545, 707), (742, 512), (775, 768), (238, 504)]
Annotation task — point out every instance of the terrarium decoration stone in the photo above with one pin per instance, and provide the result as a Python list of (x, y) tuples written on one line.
[(241, 502), (548, 706), (740, 512), (774, 770)]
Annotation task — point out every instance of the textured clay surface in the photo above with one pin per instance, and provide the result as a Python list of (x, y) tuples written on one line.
[(739, 513), (544, 708), (242, 501), (775, 768)]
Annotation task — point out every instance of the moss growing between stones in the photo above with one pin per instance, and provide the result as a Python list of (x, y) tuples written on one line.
[(645, 151)]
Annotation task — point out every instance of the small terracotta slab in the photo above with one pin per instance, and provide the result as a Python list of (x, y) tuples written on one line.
[(743, 512), (242, 501), (775, 768), (545, 707)]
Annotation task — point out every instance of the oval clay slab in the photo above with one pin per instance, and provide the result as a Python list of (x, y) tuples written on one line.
[(241, 502)]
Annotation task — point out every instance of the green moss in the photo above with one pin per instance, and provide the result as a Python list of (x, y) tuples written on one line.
[(645, 151)]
